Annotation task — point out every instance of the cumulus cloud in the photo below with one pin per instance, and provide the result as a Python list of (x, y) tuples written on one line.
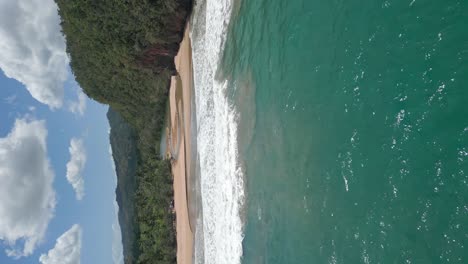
[(78, 107), (75, 166), (33, 48), (27, 198), (67, 249)]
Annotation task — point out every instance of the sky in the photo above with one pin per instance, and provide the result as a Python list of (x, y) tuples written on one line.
[(57, 191)]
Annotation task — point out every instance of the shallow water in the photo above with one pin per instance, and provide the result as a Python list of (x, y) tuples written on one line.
[(163, 142), (346, 124), (219, 230)]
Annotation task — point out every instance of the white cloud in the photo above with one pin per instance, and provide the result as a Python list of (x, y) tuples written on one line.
[(78, 107), (10, 99), (75, 166), (67, 249), (33, 48), (117, 246), (27, 198)]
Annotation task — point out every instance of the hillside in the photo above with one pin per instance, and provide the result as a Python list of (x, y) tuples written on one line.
[(122, 54), (124, 152)]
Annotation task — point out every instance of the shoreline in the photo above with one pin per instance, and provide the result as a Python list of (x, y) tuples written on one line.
[(180, 95)]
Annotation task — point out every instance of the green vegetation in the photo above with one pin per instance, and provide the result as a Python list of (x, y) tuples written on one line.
[(145, 197), (122, 54), (123, 140), (155, 217)]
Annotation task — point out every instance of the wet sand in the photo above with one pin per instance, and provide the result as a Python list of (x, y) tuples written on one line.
[(180, 108)]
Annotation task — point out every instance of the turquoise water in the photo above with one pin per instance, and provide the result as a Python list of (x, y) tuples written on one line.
[(353, 129)]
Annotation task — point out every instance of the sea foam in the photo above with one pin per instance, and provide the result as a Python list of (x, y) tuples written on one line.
[(221, 176)]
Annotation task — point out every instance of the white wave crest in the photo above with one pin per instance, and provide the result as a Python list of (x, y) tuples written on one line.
[(222, 185)]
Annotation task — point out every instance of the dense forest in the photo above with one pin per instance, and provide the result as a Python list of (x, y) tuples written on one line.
[(145, 197), (122, 54)]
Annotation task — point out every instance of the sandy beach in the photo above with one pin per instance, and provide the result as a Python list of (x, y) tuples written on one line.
[(180, 100)]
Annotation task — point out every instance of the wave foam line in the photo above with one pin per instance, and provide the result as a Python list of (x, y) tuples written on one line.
[(222, 186)]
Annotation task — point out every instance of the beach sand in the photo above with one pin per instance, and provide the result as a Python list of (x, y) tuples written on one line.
[(180, 101)]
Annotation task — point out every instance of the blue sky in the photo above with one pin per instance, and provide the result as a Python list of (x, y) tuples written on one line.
[(95, 212), (38, 96)]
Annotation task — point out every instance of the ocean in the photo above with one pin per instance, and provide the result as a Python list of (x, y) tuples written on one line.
[(331, 131)]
